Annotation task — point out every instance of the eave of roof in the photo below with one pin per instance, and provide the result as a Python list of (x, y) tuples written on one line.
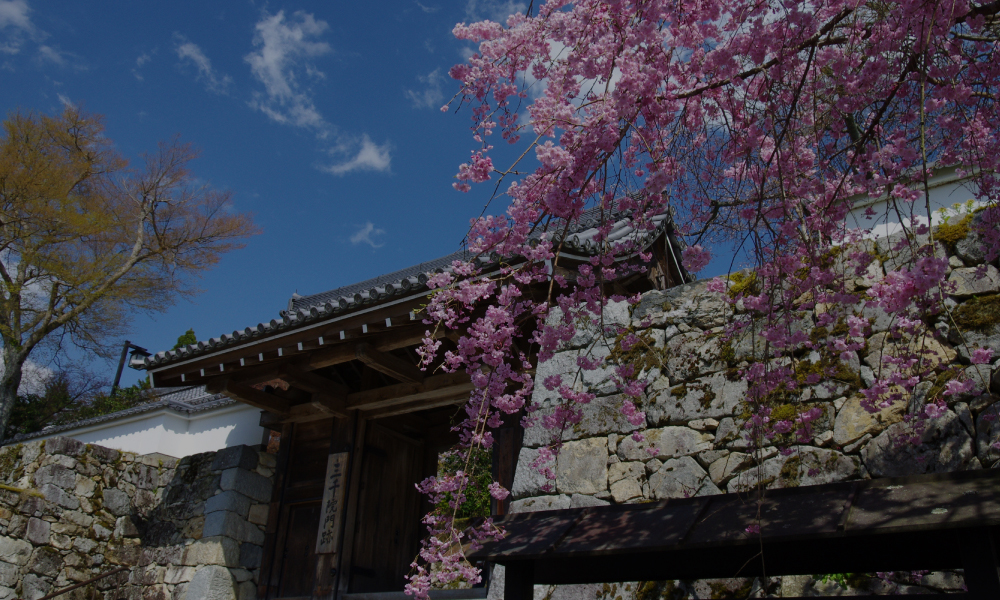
[(405, 285)]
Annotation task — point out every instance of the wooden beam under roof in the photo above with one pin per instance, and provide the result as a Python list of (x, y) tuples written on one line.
[(393, 366), (249, 395), (432, 388), (305, 361), (315, 410), (313, 382), (457, 396)]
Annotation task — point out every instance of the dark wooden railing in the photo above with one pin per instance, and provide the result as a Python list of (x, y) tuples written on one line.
[(87, 582)]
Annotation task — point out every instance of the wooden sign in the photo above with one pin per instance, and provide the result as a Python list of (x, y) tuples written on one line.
[(332, 511)]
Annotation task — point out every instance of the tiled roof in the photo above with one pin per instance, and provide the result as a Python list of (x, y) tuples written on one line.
[(303, 310), (185, 400)]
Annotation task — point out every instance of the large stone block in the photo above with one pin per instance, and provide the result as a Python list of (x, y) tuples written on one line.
[(59, 496), (899, 252), (529, 480), (969, 281), (56, 475), (249, 484), (213, 551), (693, 354), (117, 502), (664, 443), (943, 446), (243, 457), (45, 561), (582, 467), (38, 531), (930, 352), (142, 476), (540, 503), (626, 489), (107, 456), (211, 582), (231, 525), (34, 587), (854, 421), (601, 416), (681, 478), (708, 397), (230, 500), (691, 303), (8, 574), (801, 466), (65, 445), (250, 555), (987, 434)]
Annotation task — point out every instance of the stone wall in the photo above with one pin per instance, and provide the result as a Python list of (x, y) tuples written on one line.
[(694, 442), (188, 529)]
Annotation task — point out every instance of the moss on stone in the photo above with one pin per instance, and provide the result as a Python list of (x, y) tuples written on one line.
[(727, 353), (8, 461), (978, 314), (743, 282), (790, 471), (952, 233), (785, 412), (643, 355)]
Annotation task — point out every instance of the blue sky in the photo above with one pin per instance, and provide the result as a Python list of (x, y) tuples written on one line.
[(322, 119)]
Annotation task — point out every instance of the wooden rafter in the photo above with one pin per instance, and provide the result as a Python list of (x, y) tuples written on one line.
[(393, 366), (432, 388), (313, 382)]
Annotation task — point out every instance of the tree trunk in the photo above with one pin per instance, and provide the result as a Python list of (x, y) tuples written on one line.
[(9, 382)]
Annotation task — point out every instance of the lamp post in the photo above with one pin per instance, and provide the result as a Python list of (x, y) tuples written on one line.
[(136, 351)]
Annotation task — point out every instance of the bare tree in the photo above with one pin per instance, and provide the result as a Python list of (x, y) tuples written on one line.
[(86, 240)]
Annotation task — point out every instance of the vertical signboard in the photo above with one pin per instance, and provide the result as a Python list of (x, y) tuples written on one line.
[(332, 511)]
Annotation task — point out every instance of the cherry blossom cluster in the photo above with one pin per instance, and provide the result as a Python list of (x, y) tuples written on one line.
[(758, 124)]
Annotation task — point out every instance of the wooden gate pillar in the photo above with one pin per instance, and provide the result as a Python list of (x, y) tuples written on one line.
[(982, 567), (519, 581), (331, 579)]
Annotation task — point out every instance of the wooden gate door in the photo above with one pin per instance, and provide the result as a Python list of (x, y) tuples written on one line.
[(388, 529), (290, 571)]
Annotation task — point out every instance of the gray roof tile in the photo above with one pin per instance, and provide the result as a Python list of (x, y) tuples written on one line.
[(303, 310)]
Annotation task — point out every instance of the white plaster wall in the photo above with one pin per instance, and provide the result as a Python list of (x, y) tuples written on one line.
[(176, 434), (946, 189)]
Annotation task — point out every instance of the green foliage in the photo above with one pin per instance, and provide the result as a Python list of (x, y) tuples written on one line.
[(61, 403), (480, 471), (845, 580), (186, 339)]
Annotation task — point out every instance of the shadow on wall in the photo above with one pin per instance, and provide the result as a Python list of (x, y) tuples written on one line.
[(189, 528)]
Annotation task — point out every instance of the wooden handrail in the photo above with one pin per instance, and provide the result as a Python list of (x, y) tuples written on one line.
[(87, 582)]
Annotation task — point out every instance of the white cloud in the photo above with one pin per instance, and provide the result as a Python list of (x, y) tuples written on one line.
[(431, 95), (494, 10), (368, 157), (281, 61), (139, 61), (14, 14), (428, 9), (364, 235), (191, 52), (52, 55), (66, 101)]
